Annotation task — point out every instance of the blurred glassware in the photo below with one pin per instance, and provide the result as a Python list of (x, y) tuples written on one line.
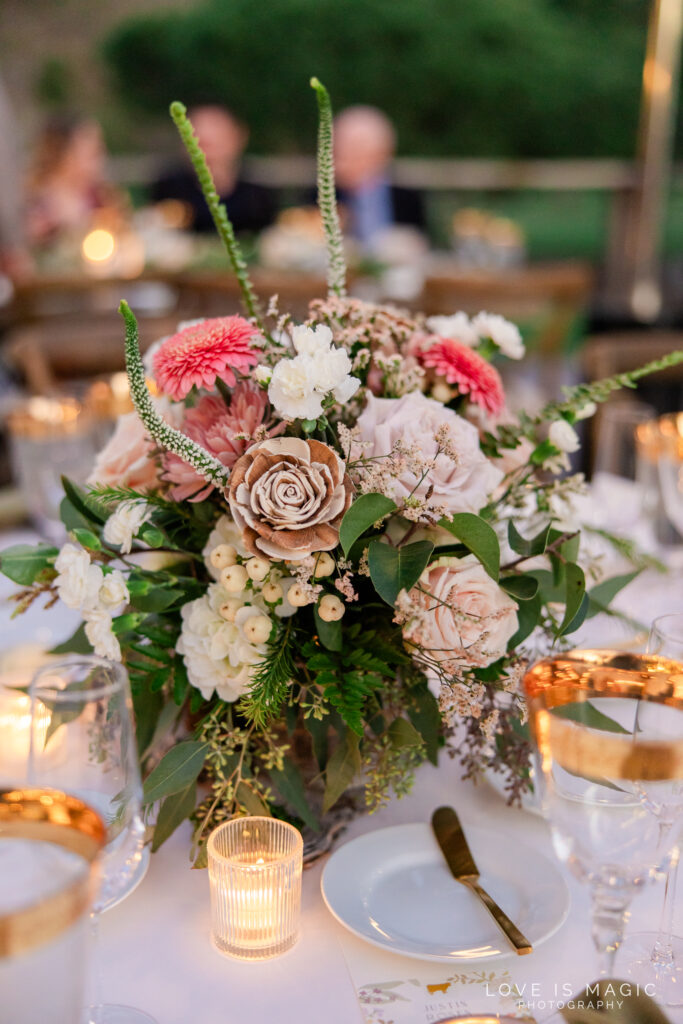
[(624, 486), (48, 877), (484, 241), (49, 438), (91, 722), (670, 466), (656, 958), (607, 728)]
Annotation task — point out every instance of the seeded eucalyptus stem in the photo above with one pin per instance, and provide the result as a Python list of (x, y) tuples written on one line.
[(165, 436), (217, 210), (327, 199)]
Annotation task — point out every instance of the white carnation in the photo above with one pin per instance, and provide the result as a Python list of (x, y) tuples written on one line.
[(458, 327), (113, 593), (261, 374), (501, 332), (217, 655), (563, 436), (124, 524), (299, 385), (98, 629), (78, 582)]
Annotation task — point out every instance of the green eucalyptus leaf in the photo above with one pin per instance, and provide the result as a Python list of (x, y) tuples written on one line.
[(522, 588), (528, 548), (86, 538), (290, 785), (575, 589), (77, 643), (478, 537), (71, 517), (396, 569), (156, 599), (318, 730), (250, 799), (426, 718), (403, 733), (330, 633), (92, 508), (23, 562), (342, 769), (172, 813), (365, 510), (152, 536), (176, 770), (602, 595), (528, 617), (587, 714)]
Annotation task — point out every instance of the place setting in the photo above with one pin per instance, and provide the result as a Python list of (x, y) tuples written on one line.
[(341, 646)]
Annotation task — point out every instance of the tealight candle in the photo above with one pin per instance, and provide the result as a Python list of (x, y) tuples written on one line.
[(255, 877)]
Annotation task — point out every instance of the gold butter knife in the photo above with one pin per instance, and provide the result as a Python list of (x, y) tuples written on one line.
[(451, 839)]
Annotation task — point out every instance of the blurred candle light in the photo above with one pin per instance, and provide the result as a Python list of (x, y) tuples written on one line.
[(98, 245)]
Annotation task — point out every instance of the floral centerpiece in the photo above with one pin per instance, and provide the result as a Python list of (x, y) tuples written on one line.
[(319, 547)]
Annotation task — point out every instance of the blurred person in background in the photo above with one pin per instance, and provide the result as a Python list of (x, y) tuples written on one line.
[(14, 259), (364, 147), (223, 139), (67, 181)]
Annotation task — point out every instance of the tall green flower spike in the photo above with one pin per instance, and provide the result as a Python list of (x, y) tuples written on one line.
[(165, 436), (217, 210), (327, 200)]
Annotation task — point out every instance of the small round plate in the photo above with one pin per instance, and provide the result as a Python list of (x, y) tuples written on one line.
[(133, 882), (393, 888)]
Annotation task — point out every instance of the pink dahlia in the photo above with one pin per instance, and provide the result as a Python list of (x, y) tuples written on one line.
[(471, 374), (224, 432), (199, 354)]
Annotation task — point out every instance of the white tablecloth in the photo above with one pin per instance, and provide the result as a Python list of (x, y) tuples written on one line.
[(155, 949)]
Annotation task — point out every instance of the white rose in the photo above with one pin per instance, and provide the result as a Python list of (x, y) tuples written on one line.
[(461, 485), (563, 436), (98, 629), (458, 327), (114, 592), (78, 582), (501, 332), (124, 524), (467, 619)]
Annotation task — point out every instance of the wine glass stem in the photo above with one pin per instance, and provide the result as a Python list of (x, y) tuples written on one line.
[(609, 922), (95, 973), (663, 954)]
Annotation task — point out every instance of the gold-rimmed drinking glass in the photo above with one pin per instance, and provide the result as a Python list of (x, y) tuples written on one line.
[(607, 729)]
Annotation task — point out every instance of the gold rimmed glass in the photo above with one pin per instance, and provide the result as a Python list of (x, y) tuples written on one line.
[(607, 729), (49, 843)]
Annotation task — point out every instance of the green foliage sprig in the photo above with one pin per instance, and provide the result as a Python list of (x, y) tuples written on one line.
[(577, 397), (327, 199), (271, 679), (165, 436), (217, 210)]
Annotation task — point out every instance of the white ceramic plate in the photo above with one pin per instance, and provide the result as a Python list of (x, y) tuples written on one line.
[(393, 888)]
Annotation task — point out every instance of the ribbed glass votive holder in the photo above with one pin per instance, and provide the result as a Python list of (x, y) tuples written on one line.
[(255, 869)]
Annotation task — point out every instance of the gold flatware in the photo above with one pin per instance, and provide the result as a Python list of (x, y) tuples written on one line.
[(451, 839)]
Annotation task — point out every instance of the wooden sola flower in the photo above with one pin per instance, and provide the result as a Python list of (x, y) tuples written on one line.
[(288, 496), (203, 352)]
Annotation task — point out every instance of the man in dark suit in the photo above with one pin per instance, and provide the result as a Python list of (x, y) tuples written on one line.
[(223, 138), (364, 146)]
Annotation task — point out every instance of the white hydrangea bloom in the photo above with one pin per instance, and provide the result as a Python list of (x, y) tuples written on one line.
[(113, 593), (98, 629), (124, 524), (502, 333), (299, 385), (78, 582), (458, 327), (217, 655), (563, 436)]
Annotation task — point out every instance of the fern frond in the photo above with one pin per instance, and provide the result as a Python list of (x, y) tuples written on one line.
[(327, 199), (217, 210), (165, 436)]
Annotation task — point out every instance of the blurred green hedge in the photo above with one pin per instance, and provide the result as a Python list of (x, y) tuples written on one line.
[(463, 77)]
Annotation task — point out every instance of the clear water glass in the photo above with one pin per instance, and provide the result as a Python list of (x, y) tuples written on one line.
[(88, 749), (623, 484), (607, 728), (656, 958)]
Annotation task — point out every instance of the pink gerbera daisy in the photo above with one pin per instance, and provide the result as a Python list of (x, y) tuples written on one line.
[(197, 355), (471, 374), (224, 431)]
